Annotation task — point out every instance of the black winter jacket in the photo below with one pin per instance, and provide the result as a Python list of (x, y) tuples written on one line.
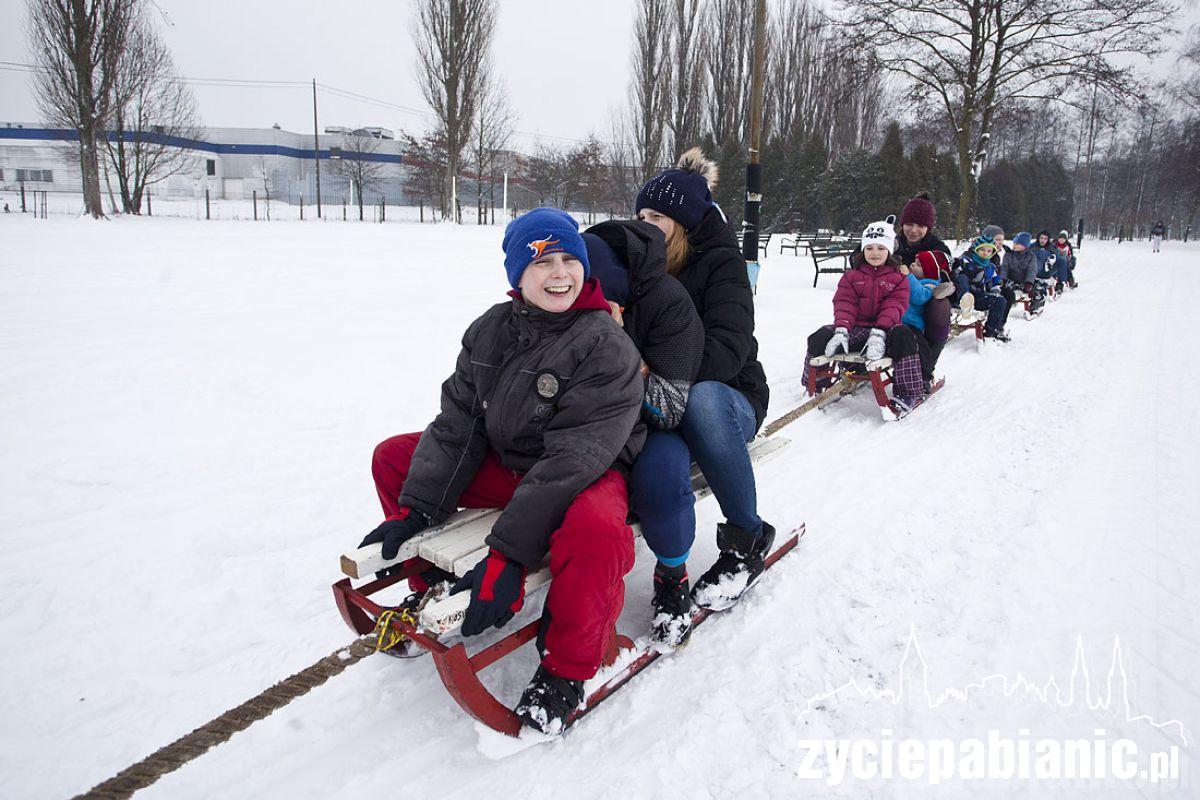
[(659, 317), (715, 277), (907, 253), (556, 396)]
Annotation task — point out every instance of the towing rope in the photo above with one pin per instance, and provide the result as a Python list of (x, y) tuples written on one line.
[(219, 730), (195, 744)]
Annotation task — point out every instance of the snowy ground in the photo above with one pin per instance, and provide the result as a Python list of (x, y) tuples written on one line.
[(186, 418)]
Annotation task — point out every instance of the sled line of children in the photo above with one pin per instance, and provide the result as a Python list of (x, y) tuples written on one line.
[(621, 356), (897, 298)]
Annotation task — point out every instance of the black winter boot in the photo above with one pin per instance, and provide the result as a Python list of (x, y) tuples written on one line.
[(672, 602), (547, 702), (742, 560)]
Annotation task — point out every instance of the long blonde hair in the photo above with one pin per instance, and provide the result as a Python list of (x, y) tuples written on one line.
[(678, 249)]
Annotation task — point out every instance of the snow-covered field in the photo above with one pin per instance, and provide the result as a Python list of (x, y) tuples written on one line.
[(187, 412)]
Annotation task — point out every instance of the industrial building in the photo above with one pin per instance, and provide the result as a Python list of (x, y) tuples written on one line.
[(231, 163)]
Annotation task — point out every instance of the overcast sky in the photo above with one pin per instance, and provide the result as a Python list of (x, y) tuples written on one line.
[(565, 62)]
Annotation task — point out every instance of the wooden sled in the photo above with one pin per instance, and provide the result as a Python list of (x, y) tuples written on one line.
[(457, 545), (843, 374)]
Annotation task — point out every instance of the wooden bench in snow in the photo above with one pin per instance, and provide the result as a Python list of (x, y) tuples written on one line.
[(457, 545)]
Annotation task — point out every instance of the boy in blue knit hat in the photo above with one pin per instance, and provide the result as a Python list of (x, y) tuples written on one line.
[(546, 258), (541, 419)]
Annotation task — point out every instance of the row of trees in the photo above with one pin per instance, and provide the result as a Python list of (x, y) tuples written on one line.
[(103, 71), (965, 71), (991, 93)]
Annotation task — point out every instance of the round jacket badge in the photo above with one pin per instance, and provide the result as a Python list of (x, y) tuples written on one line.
[(547, 385)]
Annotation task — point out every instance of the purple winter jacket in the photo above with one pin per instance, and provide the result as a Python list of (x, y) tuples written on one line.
[(870, 297)]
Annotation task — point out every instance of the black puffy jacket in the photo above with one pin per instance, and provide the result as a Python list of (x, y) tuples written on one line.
[(556, 396), (715, 277), (659, 317)]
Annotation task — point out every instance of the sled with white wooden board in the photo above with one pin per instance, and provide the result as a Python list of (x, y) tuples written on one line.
[(456, 546)]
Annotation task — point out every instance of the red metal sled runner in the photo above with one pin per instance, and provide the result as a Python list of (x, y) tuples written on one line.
[(460, 672)]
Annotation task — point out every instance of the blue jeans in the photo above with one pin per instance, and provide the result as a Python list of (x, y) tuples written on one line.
[(718, 422), (660, 490)]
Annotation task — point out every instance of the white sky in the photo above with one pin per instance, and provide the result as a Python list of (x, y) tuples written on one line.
[(565, 62)]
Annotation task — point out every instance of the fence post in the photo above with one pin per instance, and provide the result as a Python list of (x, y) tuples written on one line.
[(149, 204), (343, 209), (207, 207), (382, 208), (421, 205), (1121, 234), (22, 197), (254, 194), (301, 208), (1079, 233)]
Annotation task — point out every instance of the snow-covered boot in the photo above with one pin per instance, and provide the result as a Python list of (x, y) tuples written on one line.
[(903, 406), (672, 603), (742, 560), (547, 702)]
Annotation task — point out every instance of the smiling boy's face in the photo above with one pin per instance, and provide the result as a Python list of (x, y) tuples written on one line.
[(552, 282)]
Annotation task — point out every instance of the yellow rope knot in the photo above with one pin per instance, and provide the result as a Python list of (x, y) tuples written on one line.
[(387, 637)]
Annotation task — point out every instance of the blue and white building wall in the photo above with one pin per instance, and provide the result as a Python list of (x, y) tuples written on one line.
[(231, 163)]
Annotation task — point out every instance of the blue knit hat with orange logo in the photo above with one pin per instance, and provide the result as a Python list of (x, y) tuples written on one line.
[(538, 233)]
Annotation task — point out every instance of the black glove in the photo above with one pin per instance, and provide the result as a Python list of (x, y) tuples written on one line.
[(497, 592), (397, 530)]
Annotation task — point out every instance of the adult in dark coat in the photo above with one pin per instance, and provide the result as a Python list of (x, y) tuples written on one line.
[(728, 403), (917, 221), (541, 419)]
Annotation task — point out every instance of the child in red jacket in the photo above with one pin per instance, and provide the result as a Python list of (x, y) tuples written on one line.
[(867, 307)]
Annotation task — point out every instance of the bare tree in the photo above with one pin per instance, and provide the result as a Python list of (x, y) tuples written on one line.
[(493, 128), (425, 169), (549, 175), (728, 34), (357, 161), (687, 89), (971, 56), (647, 114), (152, 110), (264, 175), (77, 46), (453, 40)]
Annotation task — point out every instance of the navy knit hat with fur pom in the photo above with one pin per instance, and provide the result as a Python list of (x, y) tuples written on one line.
[(683, 192)]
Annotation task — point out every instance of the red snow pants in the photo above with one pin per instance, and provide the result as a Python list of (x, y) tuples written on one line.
[(590, 553)]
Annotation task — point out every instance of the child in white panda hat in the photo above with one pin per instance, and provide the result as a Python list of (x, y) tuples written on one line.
[(868, 305)]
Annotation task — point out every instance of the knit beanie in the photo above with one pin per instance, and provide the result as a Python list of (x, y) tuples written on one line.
[(1023, 238), (983, 240), (683, 192), (993, 231), (881, 233), (919, 210), (537, 233)]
